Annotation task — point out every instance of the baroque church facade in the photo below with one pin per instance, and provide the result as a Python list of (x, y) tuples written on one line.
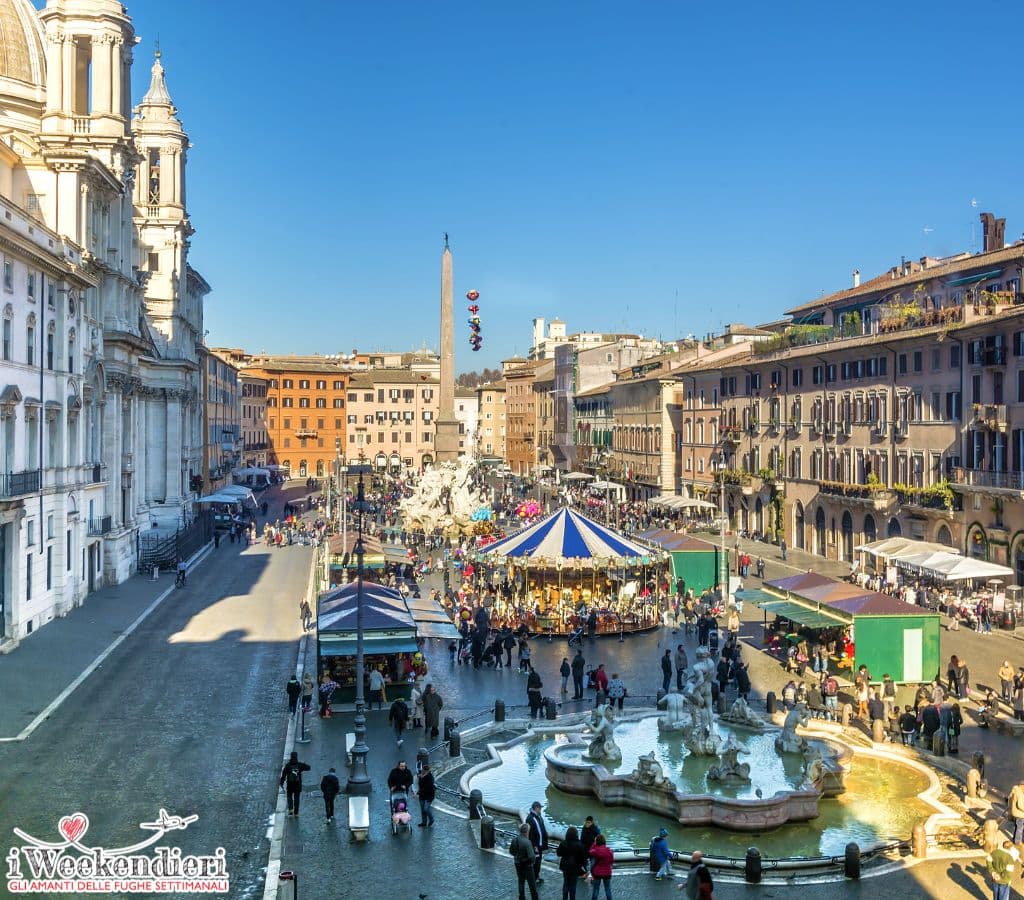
[(101, 412)]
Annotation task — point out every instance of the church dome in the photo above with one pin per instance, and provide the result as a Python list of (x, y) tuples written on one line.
[(22, 60)]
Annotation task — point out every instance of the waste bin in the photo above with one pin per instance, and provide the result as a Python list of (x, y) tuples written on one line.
[(1008, 620)]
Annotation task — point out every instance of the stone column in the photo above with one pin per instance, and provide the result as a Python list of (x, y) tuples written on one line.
[(101, 75), (54, 84), (446, 432), (172, 454), (116, 68), (68, 71)]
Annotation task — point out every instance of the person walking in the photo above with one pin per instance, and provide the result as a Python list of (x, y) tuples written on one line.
[(588, 834), (666, 671), (602, 863), (782, 547), (400, 778), (533, 688), (1001, 870), (432, 704), (305, 613), (327, 688), (376, 689), (1015, 809), (294, 690), (616, 691), (426, 792), (398, 715), (565, 670), (698, 884), (330, 787), (291, 781), (661, 856), (1018, 694), (523, 855), (572, 860), (578, 665), (682, 664), (307, 692), (538, 837), (601, 680)]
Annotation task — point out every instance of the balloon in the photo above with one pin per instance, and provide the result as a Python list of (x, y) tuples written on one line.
[(472, 295)]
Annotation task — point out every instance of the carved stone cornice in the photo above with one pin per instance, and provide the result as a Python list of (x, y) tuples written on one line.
[(126, 385)]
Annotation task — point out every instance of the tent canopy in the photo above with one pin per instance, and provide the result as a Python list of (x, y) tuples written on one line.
[(565, 534), (900, 547), (577, 476)]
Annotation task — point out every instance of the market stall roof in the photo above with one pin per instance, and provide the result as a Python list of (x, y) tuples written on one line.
[(376, 617), (371, 645), (795, 582), (678, 543), (220, 498), (565, 534), (876, 604), (897, 547), (577, 476), (960, 568), (250, 470), (431, 619), (795, 612), (607, 486)]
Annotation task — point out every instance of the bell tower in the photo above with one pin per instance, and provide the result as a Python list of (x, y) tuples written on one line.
[(88, 69), (161, 215)]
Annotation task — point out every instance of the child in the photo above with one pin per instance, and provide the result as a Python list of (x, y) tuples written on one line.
[(401, 815)]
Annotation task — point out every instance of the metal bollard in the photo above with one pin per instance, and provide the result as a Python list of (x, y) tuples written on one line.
[(499, 710), (449, 727), (487, 833), (156, 573), (878, 731), (550, 710), (851, 864), (769, 702), (919, 841), (846, 715), (476, 803), (720, 706), (455, 745), (978, 761), (422, 758), (658, 696), (973, 780), (752, 866), (938, 745)]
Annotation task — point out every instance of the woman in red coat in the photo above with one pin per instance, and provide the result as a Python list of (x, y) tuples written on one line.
[(601, 868)]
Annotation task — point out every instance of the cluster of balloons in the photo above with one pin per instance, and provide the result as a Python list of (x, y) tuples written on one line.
[(475, 338), (482, 514), (528, 509)]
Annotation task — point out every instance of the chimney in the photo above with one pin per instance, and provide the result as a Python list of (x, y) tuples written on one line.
[(856, 278)]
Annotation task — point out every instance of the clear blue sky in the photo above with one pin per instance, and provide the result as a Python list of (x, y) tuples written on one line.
[(589, 159)]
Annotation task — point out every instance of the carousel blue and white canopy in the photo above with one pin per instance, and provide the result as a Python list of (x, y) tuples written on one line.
[(565, 535)]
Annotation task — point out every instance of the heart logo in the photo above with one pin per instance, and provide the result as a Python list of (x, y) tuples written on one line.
[(73, 827)]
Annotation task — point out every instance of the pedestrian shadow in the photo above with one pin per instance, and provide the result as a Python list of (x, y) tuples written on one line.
[(961, 874)]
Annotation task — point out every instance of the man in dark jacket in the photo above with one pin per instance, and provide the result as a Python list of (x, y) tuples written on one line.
[(682, 664), (398, 715), (426, 793), (533, 688), (400, 778), (291, 781), (330, 787), (524, 856), (538, 837), (666, 671), (293, 689), (578, 663)]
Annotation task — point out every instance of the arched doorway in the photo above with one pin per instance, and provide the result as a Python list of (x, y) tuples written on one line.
[(944, 536), (819, 531), (303, 469), (894, 529), (847, 536), (870, 529), (977, 543), (759, 516), (798, 525), (428, 460), (319, 468)]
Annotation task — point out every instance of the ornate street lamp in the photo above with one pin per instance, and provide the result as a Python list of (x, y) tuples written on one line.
[(359, 777)]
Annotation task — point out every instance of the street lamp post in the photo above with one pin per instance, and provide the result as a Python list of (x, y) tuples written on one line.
[(723, 562), (359, 777)]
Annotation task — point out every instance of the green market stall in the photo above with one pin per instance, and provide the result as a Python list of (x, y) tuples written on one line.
[(694, 561)]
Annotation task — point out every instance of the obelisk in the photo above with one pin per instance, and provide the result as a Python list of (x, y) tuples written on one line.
[(446, 434)]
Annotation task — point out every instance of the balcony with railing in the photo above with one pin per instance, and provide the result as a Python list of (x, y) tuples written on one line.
[(985, 480), (730, 435), (17, 484), (306, 432), (101, 526), (992, 416)]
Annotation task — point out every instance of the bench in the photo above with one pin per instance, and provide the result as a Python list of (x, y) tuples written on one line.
[(359, 817), (350, 742), (1006, 725)]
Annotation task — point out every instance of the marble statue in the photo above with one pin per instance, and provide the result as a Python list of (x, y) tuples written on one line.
[(649, 772), (728, 767), (602, 729), (740, 713), (824, 770), (444, 498), (674, 716), (699, 735), (789, 741)]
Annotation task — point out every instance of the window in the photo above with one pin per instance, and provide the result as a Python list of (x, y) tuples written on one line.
[(69, 549), (287, 424), (321, 385), (352, 398), (286, 384), (319, 423), (953, 406), (28, 578), (303, 402), (368, 397), (817, 374), (337, 424), (7, 339), (975, 389), (49, 350), (287, 441), (71, 352), (798, 377), (303, 424), (8, 275), (918, 361), (339, 403), (30, 532), (49, 527), (426, 437), (339, 385), (901, 364), (954, 356), (303, 384), (287, 402), (30, 285), (30, 344)]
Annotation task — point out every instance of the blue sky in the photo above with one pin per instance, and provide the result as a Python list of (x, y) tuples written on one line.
[(590, 160)]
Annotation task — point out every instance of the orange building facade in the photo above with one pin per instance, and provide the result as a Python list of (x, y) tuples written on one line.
[(306, 411)]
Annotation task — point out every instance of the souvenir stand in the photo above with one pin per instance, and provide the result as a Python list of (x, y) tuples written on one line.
[(559, 569)]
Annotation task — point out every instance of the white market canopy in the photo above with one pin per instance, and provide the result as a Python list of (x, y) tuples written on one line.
[(577, 476), (250, 470), (673, 501), (220, 497), (950, 567), (901, 547)]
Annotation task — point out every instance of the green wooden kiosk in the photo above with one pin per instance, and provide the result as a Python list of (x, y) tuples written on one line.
[(693, 560)]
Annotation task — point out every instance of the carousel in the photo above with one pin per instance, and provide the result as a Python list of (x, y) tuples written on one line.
[(566, 572)]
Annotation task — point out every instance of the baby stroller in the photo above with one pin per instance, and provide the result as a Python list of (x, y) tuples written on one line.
[(401, 818), (576, 637)]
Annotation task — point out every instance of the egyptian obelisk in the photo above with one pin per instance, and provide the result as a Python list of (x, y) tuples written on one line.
[(446, 434)]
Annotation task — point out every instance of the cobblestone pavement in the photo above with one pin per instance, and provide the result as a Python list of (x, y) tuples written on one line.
[(184, 714)]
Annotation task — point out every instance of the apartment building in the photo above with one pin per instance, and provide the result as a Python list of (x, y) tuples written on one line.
[(544, 400), (391, 419), (253, 422), (306, 410), (520, 415), (222, 438), (491, 429), (467, 413)]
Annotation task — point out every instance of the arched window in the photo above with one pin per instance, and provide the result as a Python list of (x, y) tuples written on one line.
[(819, 531), (71, 350), (847, 536), (977, 543), (303, 469), (798, 525), (943, 536), (894, 528), (870, 529), (319, 468)]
